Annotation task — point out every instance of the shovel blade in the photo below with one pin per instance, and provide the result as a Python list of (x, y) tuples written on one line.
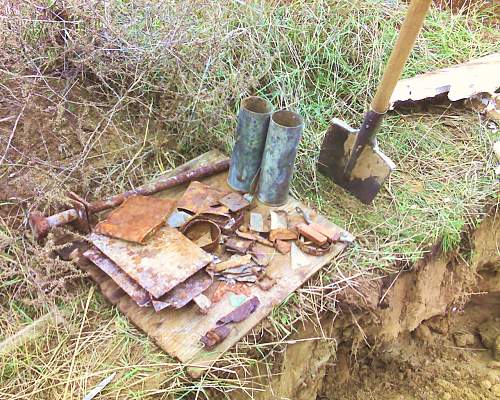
[(371, 170)]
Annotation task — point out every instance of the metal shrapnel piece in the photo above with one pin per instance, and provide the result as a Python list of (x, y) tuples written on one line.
[(285, 131), (251, 132)]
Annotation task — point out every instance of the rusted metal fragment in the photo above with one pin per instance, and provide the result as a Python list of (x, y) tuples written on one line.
[(204, 233), (234, 261), (313, 249), (331, 234), (203, 303), (279, 219), (282, 246), (215, 336), (241, 313), (254, 237), (282, 234), (166, 260), (266, 282), (261, 254), (234, 201), (233, 223), (199, 197), (305, 214), (311, 234), (178, 219), (184, 292), (223, 288), (136, 218), (238, 278), (257, 223), (238, 245), (135, 291)]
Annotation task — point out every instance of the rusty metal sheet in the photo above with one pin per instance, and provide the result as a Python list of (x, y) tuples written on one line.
[(234, 201), (184, 292), (200, 197), (159, 265), (238, 245), (136, 218), (241, 313), (129, 286)]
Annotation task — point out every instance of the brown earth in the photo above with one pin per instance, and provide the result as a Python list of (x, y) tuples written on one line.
[(418, 338)]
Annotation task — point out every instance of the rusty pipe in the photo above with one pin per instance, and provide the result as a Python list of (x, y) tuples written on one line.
[(41, 225)]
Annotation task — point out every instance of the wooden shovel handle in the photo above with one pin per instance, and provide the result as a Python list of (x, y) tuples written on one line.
[(406, 39)]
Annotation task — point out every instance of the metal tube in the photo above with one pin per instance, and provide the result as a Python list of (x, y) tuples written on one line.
[(253, 121), (283, 136)]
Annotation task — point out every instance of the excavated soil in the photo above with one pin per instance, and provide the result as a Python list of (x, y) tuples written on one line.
[(421, 334)]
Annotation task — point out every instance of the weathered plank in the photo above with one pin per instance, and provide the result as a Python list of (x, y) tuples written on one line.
[(178, 331)]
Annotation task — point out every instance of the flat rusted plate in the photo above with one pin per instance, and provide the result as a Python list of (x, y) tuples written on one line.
[(234, 201), (200, 197), (136, 218), (159, 265), (135, 291), (186, 291)]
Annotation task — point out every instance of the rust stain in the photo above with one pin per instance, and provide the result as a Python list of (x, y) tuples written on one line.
[(129, 286), (199, 197), (223, 288), (136, 218), (159, 265)]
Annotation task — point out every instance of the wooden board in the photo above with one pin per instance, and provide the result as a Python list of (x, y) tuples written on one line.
[(178, 331)]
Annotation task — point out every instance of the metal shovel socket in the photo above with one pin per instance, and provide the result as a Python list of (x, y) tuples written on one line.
[(251, 131), (283, 136)]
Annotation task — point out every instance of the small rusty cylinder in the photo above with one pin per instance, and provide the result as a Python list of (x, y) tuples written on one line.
[(251, 131), (285, 131)]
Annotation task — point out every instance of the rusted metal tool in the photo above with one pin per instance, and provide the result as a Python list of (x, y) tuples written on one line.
[(350, 157), (41, 225)]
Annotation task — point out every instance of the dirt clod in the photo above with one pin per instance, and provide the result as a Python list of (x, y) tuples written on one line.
[(463, 339), (423, 333)]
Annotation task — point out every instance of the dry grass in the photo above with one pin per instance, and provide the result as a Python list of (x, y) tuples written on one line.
[(100, 96)]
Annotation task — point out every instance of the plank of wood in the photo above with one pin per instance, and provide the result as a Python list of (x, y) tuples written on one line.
[(178, 331)]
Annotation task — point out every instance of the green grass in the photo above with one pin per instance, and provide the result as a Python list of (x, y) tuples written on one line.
[(157, 83)]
